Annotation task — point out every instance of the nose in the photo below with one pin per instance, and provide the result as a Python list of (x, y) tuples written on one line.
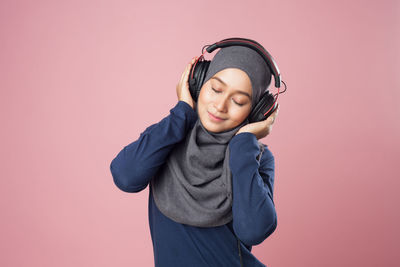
[(220, 104)]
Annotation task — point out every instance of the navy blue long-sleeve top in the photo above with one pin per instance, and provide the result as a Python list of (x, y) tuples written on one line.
[(253, 209)]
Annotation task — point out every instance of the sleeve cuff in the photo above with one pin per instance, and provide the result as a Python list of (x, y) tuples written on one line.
[(189, 111), (244, 141), (244, 148)]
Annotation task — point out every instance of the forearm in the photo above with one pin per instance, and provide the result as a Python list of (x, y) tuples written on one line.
[(254, 215)]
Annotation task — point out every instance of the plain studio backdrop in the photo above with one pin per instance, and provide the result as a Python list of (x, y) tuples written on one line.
[(80, 80)]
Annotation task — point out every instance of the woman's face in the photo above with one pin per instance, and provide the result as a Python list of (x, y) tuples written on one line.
[(226, 95)]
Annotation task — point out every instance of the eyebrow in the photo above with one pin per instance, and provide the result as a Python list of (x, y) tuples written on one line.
[(237, 91)]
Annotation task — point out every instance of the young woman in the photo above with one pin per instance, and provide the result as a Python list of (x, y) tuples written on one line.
[(211, 180)]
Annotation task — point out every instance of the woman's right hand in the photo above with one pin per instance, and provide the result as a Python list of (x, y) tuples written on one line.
[(182, 88)]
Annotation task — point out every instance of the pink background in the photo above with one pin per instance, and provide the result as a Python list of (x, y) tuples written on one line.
[(81, 79)]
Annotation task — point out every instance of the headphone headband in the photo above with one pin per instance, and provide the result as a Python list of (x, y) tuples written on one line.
[(255, 46)]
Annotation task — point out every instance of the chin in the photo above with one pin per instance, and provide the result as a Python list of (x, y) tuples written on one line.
[(210, 127), (214, 126)]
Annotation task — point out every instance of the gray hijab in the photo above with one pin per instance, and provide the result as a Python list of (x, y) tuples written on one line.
[(194, 186)]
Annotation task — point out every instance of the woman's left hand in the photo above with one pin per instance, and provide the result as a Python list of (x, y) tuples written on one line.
[(260, 128)]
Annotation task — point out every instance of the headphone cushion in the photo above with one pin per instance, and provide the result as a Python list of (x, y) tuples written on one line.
[(265, 103), (199, 74)]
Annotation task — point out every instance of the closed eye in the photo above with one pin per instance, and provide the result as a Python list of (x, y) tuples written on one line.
[(218, 92)]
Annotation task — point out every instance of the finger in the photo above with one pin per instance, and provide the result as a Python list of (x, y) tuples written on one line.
[(185, 77), (188, 71), (275, 113), (184, 73), (193, 60), (270, 120)]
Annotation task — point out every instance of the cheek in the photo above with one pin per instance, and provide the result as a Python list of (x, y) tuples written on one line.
[(239, 114), (205, 97), (201, 101)]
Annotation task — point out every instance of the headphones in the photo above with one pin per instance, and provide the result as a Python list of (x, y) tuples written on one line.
[(267, 103)]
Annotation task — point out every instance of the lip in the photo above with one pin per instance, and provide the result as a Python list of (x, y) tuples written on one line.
[(215, 118)]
